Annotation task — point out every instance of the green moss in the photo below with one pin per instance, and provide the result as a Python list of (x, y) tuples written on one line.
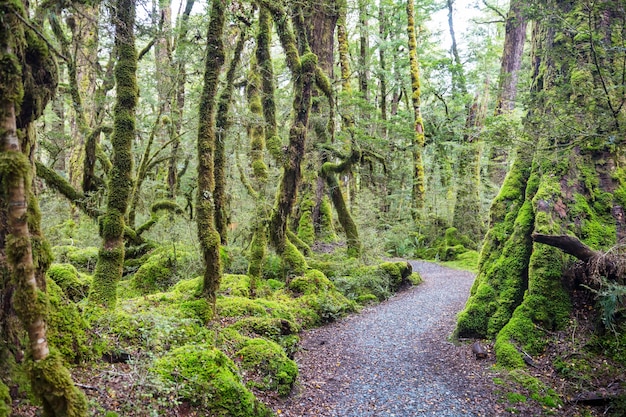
[(294, 262), (269, 367), (239, 307), (54, 385), (108, 271), (5, 401), (163, 269), (313, 282), (326, 229), (75, 286), (236, 285), (306, 231), (198, 309), (207, 378), (538, 391), (67, 330)]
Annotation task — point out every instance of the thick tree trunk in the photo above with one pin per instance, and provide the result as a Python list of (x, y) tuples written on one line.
[(518, 293), (28, 83), (111, 256), (205, 206), (514, 39)]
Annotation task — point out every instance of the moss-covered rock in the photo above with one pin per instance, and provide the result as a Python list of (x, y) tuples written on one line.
[(280, 330), (267, 365), (163, 269), (84, 259), (313, 282), (207, 378), (73, 284), (376, 282), (236, 285), (67, 330)]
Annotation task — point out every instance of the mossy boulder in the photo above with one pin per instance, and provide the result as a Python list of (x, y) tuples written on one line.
[(375, 283), (162, 270), (279, 330), (237, 285), (67, 330), (267, 366), (313, 282), (74, 284), (207, 378), (84, 259)]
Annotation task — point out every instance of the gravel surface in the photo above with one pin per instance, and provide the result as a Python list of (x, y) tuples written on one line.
[(394, 359)]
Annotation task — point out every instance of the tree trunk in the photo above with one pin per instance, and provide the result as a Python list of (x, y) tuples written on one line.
[(29, 81), (575, 187), (111, 255), (222, 125), (178, 103), (514, 39), (418, 190), (205, 205)]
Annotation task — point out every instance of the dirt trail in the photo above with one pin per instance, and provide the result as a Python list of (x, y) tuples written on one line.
[(394, 359)]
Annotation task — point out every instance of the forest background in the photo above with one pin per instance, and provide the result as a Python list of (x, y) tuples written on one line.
[(189, 187)]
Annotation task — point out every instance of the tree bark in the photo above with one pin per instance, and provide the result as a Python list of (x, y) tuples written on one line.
[(110, 262), (418, 142), (28, 83), (552, 191), (514, 39), (205, 205)]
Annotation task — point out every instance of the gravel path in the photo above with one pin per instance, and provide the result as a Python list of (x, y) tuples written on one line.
[(394, 359)]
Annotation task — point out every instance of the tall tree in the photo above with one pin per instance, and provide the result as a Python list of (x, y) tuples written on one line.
[(207, 234), (514, 39), (111, 255), (418, 190), (29, 80), (573, 188), (303, 71)]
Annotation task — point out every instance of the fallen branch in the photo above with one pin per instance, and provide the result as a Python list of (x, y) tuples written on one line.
[(568, 244)]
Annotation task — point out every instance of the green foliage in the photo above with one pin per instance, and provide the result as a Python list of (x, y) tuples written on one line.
[(74, 285), (207, 378), (271, 368), (5, 401)]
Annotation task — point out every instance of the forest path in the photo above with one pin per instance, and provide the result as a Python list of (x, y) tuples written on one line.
[(394, 359)]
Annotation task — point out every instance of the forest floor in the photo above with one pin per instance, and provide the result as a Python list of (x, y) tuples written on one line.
[(396, 359)]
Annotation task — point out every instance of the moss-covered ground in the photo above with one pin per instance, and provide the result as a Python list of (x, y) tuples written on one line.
[(164, 350)]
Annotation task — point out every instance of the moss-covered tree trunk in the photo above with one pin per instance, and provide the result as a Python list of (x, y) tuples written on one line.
[(29, 79), (205, 206), (111, 255), (570, 181), (260, 94), (222, 124), (418, 189), (303, 70), (511, 62), (178, 102)]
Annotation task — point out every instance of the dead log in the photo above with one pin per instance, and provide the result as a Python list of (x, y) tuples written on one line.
[(479, 351), (568, 244)]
